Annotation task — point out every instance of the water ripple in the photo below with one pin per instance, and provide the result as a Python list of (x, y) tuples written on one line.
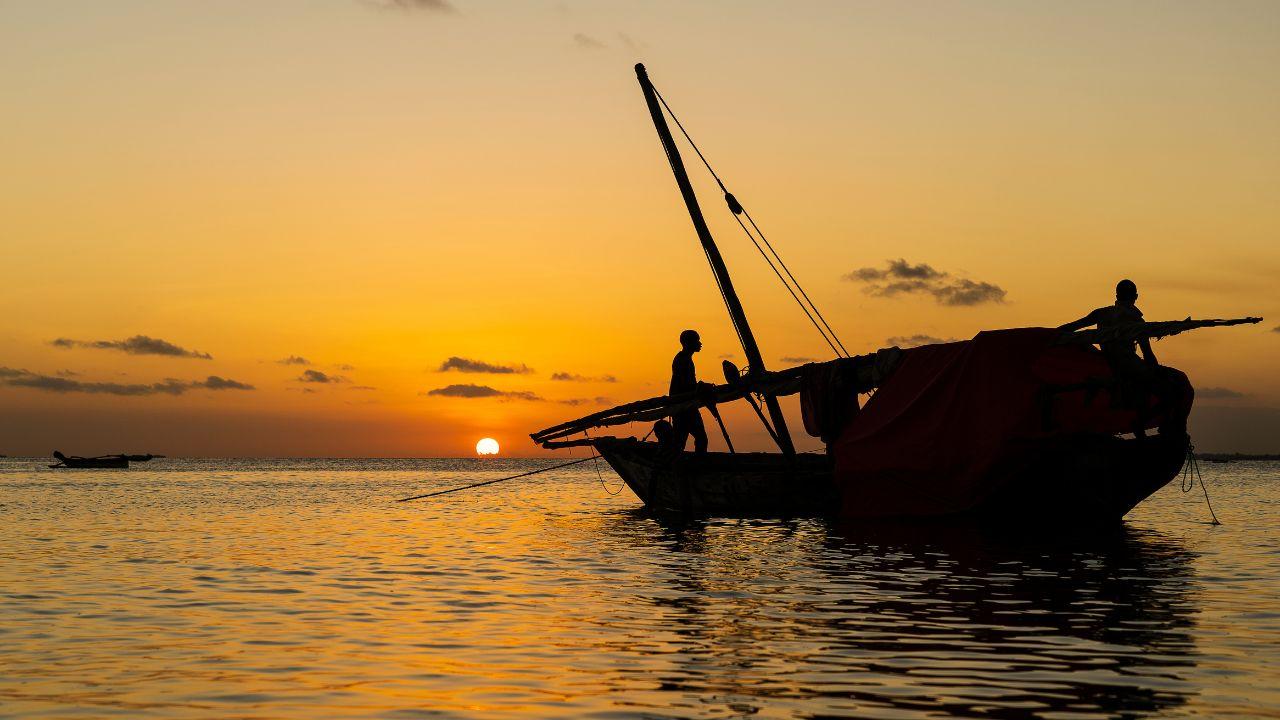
[(296, 589)]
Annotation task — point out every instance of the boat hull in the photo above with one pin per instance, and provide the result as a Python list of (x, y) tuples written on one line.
[(1091, 478), (94, 463), (1078, 479), (752, 484)]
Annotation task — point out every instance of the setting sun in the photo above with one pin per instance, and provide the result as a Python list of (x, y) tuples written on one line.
[(487, 446)]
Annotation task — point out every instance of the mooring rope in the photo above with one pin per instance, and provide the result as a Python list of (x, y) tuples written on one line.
[(490, 482), (596, 464), (1189, 481)]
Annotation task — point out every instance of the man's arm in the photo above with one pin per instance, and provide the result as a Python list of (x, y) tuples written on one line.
[(1147, 354), (1144, 344), (1083, 322)]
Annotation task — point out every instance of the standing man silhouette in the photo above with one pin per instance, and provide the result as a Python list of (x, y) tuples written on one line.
[(683, 380)]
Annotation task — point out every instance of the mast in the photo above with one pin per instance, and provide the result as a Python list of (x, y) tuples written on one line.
[(736, 313)]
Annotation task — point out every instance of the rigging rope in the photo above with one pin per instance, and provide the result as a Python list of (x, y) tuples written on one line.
[(793, 278), (788, 287), (736, 208), (719, 286)]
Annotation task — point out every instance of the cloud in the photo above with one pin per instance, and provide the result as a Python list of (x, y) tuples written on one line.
[(899, 269), (1276, 329), (66, 373), (574, 377), (136, 345), (466, 391), (586, 42), (483, 391), (436, 6), (315, 376), (598, 400), (797, 359), (49, 383), (213, 382), (362, 387), (900, 277), (968, 292), (631, 43), (464, 365), (294, 360), (1218, 393), (345, 368), (910, 341)]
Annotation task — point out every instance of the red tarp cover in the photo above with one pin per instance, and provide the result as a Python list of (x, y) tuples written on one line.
[(956, 420)]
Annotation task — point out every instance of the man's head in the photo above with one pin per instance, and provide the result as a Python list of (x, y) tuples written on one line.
[(1126, 292), (690, 341)]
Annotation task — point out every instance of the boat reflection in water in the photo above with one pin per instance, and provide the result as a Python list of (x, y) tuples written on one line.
[(914, 621)]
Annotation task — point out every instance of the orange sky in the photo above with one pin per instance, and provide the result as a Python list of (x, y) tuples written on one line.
[(378, 188)]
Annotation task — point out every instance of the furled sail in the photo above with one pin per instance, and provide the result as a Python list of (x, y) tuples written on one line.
[(1138, 330)]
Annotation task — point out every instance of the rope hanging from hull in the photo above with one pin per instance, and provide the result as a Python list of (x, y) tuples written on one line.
[(1192, 465)]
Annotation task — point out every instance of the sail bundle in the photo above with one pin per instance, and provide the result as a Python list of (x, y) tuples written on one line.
[(1132, 332)]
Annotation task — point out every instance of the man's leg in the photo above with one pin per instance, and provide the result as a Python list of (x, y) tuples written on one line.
[(680, 431), (698, 431), (1137, 376)]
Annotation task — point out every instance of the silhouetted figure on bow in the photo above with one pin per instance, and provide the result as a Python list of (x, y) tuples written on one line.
[(1136, 377), (1122, 355), (684, 380)]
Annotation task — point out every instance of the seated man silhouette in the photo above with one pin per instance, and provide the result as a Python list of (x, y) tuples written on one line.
[(683, 380), (1136, 377), (1122, 355)]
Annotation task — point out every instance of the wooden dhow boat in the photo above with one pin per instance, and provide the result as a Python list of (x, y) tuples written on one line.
[(1025, 424)]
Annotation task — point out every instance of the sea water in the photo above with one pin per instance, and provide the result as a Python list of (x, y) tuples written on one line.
[(300, 589)]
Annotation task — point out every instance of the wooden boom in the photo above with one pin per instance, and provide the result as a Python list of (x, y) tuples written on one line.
[(868, 370)]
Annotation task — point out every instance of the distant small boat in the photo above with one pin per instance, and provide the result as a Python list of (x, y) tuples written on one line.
[(99, 462)]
